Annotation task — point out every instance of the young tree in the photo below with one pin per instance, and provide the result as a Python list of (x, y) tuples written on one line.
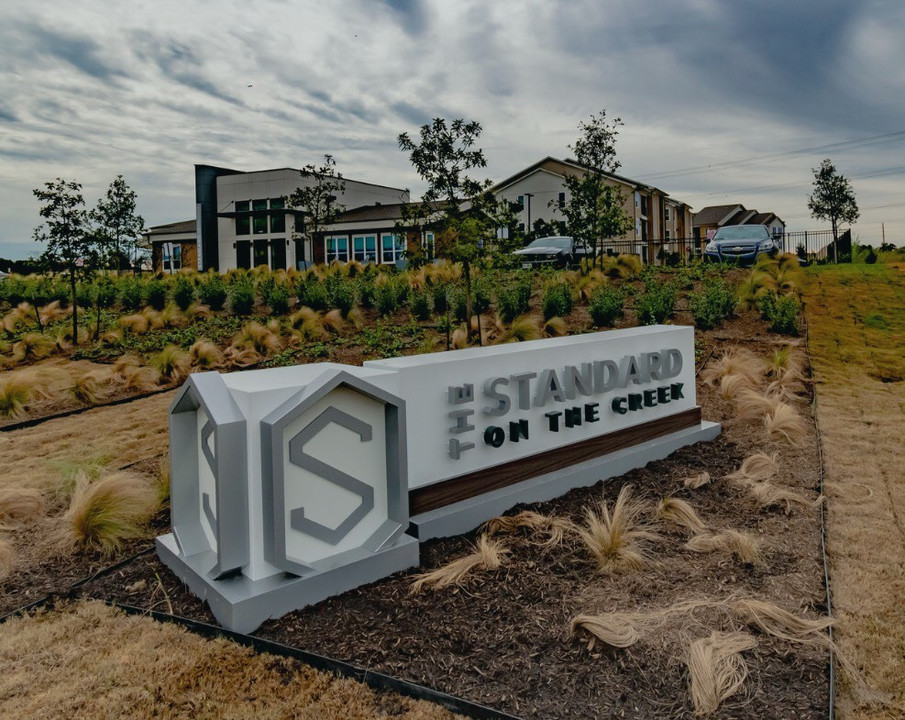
[(70, 243), (594, 208), (319, 200), (118, 227), (833, 199), (443, 158)]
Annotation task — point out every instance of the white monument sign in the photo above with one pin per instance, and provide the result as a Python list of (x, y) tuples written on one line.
[(294, 484)]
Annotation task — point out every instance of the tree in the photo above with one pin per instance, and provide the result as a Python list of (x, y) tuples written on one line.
[(833, 199), (118, 227), (70, 243), (594, 208), (462, 208), (318, 200)]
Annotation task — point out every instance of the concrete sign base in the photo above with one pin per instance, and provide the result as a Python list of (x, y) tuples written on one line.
[(241, 604)]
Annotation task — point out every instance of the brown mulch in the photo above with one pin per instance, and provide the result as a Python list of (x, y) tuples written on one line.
[(502, 638)]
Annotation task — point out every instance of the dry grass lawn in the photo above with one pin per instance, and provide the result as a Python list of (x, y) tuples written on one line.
[(89, 661), (41, 456), (856, 317)]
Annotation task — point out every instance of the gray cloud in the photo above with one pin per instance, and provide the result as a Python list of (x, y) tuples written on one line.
[(412, 15), (94, 89), (81, 52)]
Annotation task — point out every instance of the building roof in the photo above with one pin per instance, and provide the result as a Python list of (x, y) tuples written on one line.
[(716, 214), (379, 212), (183, 226), (766, 218), (565, 167)]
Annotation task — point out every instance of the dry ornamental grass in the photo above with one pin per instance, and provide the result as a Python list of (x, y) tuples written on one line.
[(555, 528), (742, 545), (681, 513), (615, 538), (488, 555), (755, 468), (105, 512), (697, 481), (716, 669), (612, 629), (785, 425)]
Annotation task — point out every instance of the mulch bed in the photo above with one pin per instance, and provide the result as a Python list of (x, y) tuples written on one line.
[(503, 638)]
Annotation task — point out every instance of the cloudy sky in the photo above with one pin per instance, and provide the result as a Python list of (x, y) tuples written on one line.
[(723, 100)]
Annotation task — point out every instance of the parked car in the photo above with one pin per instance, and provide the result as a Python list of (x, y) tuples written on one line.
[(741, 244), (559, 251)]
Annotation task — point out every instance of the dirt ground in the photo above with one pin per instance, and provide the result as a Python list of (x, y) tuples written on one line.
[(856, 317), (503, 638)]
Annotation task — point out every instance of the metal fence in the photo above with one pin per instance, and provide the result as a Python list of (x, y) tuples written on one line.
[(809, 245)]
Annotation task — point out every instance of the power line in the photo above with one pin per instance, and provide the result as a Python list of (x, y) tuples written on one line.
[(872, 140)]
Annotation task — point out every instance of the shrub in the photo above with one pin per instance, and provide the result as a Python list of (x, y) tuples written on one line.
[(606, 306), (312, 293), (390, 294), (105, 293), (514, 299), (84, 294), (183, 292), (656, 304), (276, 297), (130, 294), (420, 304), (712, 305), (784, 316), (366, 291), (441, 294), (156, 294), (212, 291), (340, 293), (480, 295), (242, 297), (557, 300), (104, 513)]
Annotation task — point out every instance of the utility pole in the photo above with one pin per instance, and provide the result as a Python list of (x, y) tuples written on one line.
[(883, 230)]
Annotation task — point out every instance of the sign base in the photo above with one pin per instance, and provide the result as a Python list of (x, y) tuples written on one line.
[(241, 604), (465, 515)]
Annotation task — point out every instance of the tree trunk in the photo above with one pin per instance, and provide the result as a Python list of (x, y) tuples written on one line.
[(75, 309), (37, 317), (835, 241), (466, 270)]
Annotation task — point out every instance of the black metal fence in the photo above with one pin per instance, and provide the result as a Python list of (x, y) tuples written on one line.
[(809, 245)]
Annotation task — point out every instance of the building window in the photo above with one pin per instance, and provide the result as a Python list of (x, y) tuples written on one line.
[(667, 234), (520, 201), (637, 199), (243, 225), (365, 248), (260, 253), (562, 200), (666, 213), (336, 248), (260, 224), (259, 204), (392, 248), (277, 203), (277, 223), (428, 244), (241, 205), (171, 256)]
